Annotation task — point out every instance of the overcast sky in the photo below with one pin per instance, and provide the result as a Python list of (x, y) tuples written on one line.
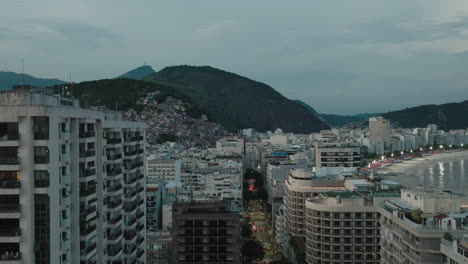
[(341, 57)]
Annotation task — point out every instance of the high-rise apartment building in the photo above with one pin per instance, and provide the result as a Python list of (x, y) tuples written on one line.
[(299, 187), (379, 129), (412, 226), (71, 182), (163, 170), (205, 232), (343, 227), (337, 158)]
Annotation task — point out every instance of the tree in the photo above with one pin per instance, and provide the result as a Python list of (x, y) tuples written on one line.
[(416, 215), (246, 230), (252, 250), (448, 236)]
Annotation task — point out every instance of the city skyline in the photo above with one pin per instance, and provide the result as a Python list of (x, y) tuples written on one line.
[(353, 58)]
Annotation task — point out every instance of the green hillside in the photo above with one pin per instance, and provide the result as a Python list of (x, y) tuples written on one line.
[(237, 102), (8, 79), (121, 92), (138, 73), (446, 116)]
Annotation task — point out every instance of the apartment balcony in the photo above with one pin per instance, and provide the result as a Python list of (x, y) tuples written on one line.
[(10, 161), (10, 235), (84, 192), (87, 153), (86, 211), (130, 153), (41, 135), (115, 188), (88, 250), (87, 173), (8, 187), (140, 252), (114, 141), (10, 258), (114, 251), (114, 205), (115, 220), (10, 211), (130, 235), (10, 139), (140, 214), (114, 172), (84, 232), (113, 157), (115, 236), (87, 134)]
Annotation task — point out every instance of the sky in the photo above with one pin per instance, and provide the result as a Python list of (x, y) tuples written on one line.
[(341, 57)]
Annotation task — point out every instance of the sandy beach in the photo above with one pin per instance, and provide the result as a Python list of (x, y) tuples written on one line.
[(442, 171)]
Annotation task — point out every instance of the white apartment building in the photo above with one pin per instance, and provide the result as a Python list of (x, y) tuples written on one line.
[(163, 170), (299, 187), (343, 227), (337, 159), (71, 182), (379, 129), (455, 250), (412, 226), (231, 145)]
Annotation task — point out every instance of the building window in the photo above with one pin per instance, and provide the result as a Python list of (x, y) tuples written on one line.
[(41, 155), (42, 228), (41, 127), (41, 178)]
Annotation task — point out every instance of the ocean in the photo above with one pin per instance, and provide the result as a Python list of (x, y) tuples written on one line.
[(448, 171)]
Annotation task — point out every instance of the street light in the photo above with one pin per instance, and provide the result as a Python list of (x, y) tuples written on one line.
[(450, 146), (402, 153), (430, 148), (441, 146), (420, 149), (383, 157), (411, 151), (392, 155)]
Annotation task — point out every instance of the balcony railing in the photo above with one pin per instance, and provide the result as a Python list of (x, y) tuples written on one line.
[(114, 236), (10, 136), (87, 172), (114, 141), (130, 153), (41, 135), (87, 250), (10, 208), (114, 204), (87, 211), (41, 159), (10, 161), (116, 219), (114, 172), (10, 256), (114, 251), (129, 235), (87, 153), (87, 134), (13, 232), (10, 184), (87, 191), (88, 230), (114, 156)]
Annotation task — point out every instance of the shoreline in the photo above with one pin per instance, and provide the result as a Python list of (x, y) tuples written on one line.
[(420, 163), (435, 172)]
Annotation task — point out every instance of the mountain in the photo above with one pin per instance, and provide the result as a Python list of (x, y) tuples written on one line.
[(446, 116), (336, 120), (8, 79), (138, 73), (120, 93), (307, 106), (237, 102), (342, 120)]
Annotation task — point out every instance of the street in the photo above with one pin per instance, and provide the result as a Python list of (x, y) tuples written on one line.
[(255, 214)]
